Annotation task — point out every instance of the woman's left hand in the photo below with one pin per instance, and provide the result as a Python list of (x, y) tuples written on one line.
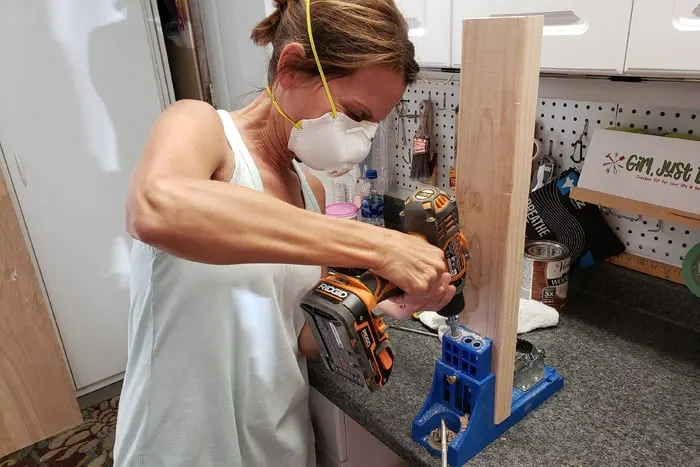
[(402, 308)]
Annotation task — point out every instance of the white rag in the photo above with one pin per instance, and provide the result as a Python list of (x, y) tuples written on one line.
[(531, 315)]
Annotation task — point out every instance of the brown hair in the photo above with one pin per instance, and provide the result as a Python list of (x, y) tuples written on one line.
[(348, 35)]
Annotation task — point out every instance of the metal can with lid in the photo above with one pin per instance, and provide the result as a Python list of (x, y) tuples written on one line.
[(546, 273)]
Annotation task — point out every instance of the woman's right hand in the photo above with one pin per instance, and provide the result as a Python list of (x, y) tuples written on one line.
[(416, 267)]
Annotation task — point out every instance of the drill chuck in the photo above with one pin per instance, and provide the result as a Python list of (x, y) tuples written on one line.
[(455, 307)]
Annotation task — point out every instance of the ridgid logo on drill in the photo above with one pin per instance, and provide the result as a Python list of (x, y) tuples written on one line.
[(336, 292)]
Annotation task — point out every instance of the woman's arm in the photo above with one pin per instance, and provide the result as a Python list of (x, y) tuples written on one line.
[(175, 206)]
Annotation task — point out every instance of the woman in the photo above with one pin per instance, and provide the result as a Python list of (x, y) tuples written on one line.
[(229, 234)]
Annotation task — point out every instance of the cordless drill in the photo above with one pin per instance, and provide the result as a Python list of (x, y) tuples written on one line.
[(340, 309)]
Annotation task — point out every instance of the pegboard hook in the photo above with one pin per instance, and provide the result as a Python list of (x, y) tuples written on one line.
[(578, 145), (658, 226), (444, 102), (610, 211)]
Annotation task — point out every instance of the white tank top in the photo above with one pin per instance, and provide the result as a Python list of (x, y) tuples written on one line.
[(214, 377)]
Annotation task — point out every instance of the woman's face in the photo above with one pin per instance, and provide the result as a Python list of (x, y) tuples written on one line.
[(367, 94)]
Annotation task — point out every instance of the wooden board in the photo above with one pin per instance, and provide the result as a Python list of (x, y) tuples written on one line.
[(648, 266), (637, 207), (37, 397), (497, 106)]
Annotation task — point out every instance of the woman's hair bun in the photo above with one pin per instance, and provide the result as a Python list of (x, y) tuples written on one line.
[(264, 32)]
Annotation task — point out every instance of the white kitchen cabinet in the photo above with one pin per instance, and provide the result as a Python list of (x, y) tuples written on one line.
[(580, 36), (82, 82), (342, 442), (429, 23), (664, 38)]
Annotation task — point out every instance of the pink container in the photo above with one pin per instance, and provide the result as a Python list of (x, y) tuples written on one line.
[(342, 210)]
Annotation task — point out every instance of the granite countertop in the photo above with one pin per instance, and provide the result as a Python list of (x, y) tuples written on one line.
[(631, 393)]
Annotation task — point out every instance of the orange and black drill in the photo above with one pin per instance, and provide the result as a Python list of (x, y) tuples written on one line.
[(340, 309)]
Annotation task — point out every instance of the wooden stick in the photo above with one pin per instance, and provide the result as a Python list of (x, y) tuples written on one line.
[(497, 105), (637, 207), (648, 266)]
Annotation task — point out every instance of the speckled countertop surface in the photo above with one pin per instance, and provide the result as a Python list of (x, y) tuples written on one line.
[(631, 394)]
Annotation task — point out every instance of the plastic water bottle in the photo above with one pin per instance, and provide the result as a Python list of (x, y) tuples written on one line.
[(372, 205)]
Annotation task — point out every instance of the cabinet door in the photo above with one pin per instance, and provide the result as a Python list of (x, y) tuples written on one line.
[(429, 23), (665, 38), (78, 95), (580, 36), (37, 399)]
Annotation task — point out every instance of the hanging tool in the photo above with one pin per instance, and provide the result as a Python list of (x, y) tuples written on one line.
[(420, 157), (543, 165), (340, 309), (578, 145)]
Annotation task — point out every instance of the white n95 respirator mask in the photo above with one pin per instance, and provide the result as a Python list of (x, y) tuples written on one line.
[(328, 143), (333, 142)]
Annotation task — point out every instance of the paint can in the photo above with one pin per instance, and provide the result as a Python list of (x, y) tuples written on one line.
[(546, 273)]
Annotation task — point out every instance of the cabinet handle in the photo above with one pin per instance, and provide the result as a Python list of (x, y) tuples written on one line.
[(20, 169), (686, 22), (558, 23)]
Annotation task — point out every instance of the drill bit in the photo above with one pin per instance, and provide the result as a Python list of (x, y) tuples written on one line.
[(452, 323), (443, 438)]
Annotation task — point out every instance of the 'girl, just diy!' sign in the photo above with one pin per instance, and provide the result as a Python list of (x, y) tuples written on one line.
[(652, 169)]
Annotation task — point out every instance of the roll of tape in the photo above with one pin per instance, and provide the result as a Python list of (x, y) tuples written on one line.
[(691, 270)]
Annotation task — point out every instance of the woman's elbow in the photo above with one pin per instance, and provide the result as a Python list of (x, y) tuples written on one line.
[(145, 212)]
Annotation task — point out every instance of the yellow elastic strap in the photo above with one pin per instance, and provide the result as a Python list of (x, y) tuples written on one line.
[(318, 62), (279, 109)]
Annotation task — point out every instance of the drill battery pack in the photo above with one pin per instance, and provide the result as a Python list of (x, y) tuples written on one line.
[(352, 341)]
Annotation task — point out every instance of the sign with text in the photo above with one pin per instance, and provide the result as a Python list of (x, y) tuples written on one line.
[(652, 169)]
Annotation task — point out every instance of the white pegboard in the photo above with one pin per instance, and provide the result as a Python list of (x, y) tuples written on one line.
[(560, 121), (444, 95)]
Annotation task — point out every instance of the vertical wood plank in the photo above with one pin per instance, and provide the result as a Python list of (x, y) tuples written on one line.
[(37, 398), (497, 106)]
